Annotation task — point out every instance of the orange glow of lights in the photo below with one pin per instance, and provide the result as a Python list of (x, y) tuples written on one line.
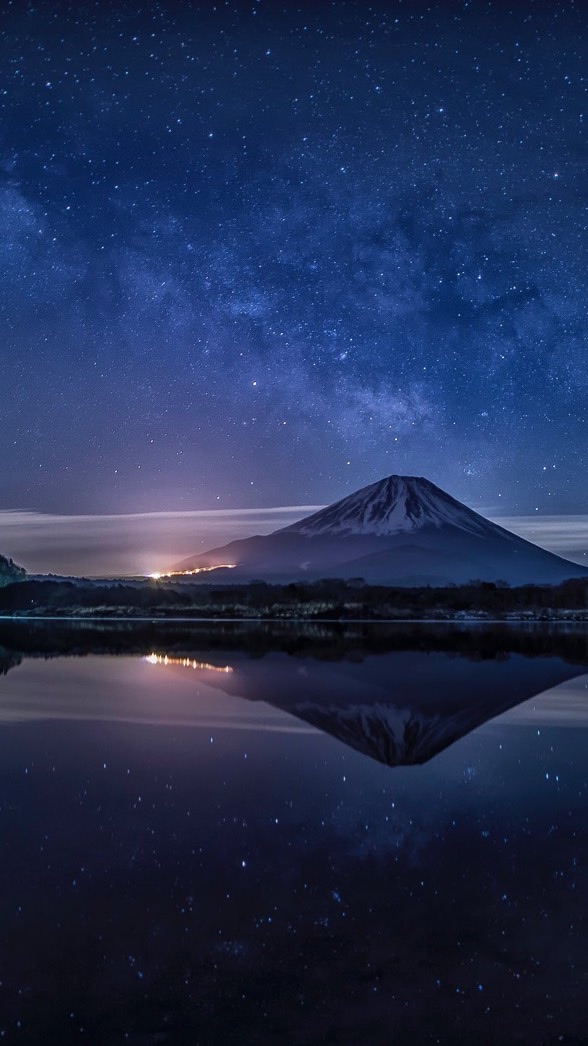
[(188, 573), (186, 662)]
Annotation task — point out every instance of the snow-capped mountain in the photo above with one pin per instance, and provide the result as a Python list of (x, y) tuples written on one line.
[(403, 530), (400, 708), (392, 506), (397, 696), (391, 735)]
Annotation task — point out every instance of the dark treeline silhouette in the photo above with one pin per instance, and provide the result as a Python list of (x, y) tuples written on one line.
[(328, 599), (334, 641), (10, 571)]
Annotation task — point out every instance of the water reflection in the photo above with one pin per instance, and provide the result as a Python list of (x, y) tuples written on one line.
[(193, 856), (186, 662), (398, 695)]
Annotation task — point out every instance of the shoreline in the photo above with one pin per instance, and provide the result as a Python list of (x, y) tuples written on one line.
[(571, 618)]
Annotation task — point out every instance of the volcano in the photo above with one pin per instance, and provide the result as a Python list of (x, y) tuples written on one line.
[(402, 530)]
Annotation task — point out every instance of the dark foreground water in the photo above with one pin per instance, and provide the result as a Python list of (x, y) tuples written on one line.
[(230, 835)]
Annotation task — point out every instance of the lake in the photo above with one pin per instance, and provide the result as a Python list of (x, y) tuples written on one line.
[(223, 833)]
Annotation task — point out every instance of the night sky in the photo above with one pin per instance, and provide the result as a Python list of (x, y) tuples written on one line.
[(260, 254)]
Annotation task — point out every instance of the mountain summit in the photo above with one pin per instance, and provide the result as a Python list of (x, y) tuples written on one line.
[(402, 530), (391, 506)]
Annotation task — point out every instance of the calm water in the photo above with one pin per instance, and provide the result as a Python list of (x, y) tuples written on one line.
[(229, 835)]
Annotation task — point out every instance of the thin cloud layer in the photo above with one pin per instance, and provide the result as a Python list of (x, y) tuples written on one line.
[(144, 542), (136, 543), (567, 536)]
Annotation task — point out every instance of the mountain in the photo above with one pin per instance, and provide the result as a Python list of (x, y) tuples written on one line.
[(399, 695), (392, 506), (402, 530), (400, 708)]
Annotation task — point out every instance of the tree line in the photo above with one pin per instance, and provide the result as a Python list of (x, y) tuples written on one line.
[(328, 598)]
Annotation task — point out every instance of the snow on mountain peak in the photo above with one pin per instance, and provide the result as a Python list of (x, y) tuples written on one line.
[(390, 506)]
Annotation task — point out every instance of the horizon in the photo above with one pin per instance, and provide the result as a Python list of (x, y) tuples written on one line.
[(140, 544)]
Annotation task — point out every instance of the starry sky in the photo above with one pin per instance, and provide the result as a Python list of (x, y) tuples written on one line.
[(259, 254)]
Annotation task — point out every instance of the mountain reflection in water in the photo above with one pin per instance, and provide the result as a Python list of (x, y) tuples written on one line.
[(398, 695), (191, 855)]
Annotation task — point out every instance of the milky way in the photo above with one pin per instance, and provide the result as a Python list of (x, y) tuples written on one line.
[(262, 254)]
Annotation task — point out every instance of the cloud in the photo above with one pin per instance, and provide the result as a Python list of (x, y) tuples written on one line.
[(565, 535), (564, 705), (143, 542), (128, 690), (135, 543)]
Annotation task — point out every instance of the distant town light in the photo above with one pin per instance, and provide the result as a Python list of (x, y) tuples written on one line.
[(188, 573)]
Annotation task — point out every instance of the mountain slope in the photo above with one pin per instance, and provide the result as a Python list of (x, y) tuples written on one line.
[(403, 530), (400, 708), (393, 505)]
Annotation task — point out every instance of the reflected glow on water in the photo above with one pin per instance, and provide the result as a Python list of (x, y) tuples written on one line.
[(186, 662)]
